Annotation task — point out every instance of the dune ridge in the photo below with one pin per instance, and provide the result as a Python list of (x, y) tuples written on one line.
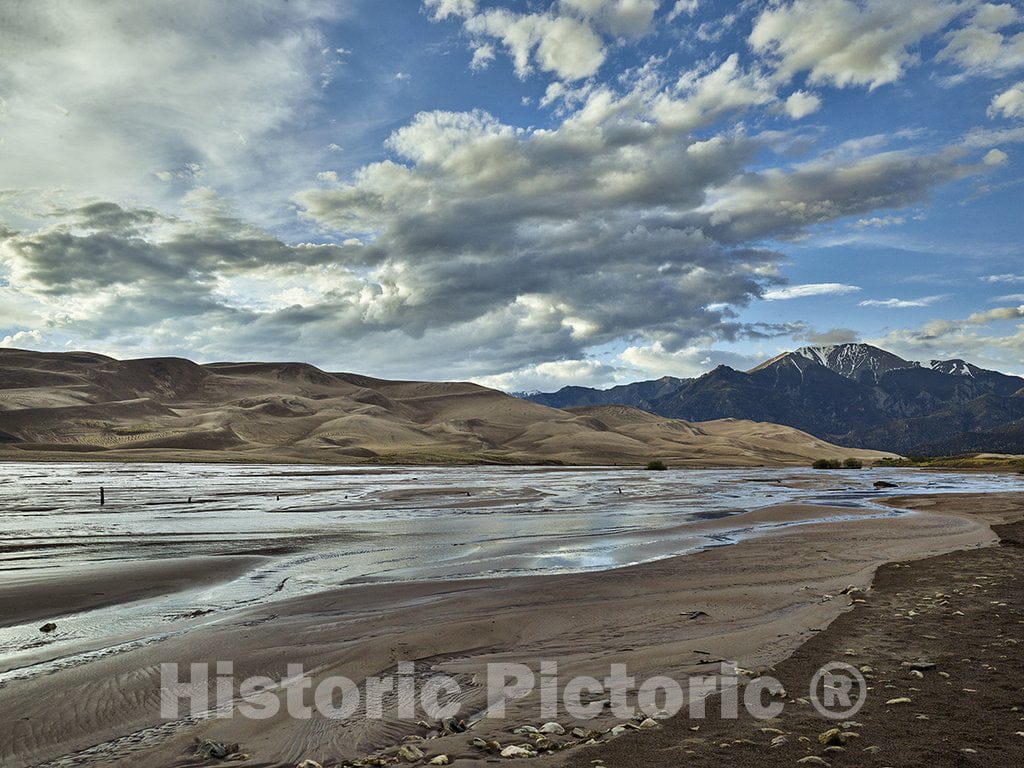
[(85, 405)]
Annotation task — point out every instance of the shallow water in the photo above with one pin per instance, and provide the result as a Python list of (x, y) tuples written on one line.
[(327, 527)]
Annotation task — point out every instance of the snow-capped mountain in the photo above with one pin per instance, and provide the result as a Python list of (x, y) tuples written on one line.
[(854, 361), (853, 394)]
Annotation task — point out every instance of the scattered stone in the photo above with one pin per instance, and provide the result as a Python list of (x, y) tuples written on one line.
[(873, 750), (900, 700), (525, 730), (832, 737), (778, 741), (618, 730), (410, 753), (214, 750), (812, 760), (516, 751), (917, 673), (922, 666), (440, 760), (885, 484), (48, 627), (453, 725), (649, 723), (552, 728), (309, 764)]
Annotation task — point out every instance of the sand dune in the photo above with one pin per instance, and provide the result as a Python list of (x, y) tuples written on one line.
[(85, 405)]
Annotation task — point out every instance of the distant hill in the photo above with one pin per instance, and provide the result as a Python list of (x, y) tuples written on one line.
[(852, 394), (59, 406)]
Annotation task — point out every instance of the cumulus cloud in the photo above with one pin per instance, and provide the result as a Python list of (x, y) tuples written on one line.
[(845, 42), (809, 289), (995, 157), (980, 47), (1009, 103), (800, 104)]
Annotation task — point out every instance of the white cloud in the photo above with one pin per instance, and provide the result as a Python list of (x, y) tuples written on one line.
[(483, 55), (442, 9), (995, 157), (800, 104), (689, 7), (924, 301), (844, 42), (809, 289), (878, 222), (700, 97), (1009, 103), (22, 339), (980, 48), (620, 18), (563, 45), (103, 96), (1003, 278), (550, 376)]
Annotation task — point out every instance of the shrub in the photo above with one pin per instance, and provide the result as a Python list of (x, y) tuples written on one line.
[(853, 464), (657, 464), (826, 464)]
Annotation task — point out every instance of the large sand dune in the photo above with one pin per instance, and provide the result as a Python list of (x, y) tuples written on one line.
[(85, 405)]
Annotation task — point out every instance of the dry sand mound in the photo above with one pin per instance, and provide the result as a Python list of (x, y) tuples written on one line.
[(173, 409)]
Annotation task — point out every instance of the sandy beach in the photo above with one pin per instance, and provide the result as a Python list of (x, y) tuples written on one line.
[(754, 603)]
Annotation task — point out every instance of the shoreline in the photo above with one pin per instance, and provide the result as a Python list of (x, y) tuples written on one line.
[(756, 613)]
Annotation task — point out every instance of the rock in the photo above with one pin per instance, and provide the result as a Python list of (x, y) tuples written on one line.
[(440, 760), (872, 750), (453, 725), (778, 741), (309, 764), (411, 753), (525, 730), (917, 673), (552, 728), (649, 723), (922, 666), (618, 730), (831, 737), (885, 484), (214, 750), (478, 743), (812, 760), (516, 751), (900, 700), (48, 627), (241, 757)]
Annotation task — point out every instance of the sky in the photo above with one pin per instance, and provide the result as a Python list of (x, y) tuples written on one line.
[(524, 194)]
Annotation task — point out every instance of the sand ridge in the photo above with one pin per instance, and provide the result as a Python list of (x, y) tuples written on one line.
[(59, 406)]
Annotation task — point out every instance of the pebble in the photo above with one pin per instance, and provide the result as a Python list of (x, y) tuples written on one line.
[(525, 729), (440, 760), (309, 764), (900, 700), (516, 751), (552, 728), (48, 627), (812, 760), (410, 753), (649, 723)]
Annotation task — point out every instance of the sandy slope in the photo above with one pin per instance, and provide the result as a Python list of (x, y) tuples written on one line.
[(86, 405)]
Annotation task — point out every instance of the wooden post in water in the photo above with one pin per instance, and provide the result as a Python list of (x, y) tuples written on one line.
[(103, 496)]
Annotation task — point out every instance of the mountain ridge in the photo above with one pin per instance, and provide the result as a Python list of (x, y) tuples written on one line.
[(855, 395)]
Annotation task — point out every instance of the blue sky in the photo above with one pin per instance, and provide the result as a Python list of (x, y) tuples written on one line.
[(526, 194)]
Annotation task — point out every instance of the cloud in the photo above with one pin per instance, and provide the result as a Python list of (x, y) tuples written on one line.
[(924, 301), (620, 18), (784, 202), (1008, 278), (689, 7), (800, 104), (844, 42), (551, 376), (1009, 103), (125, 99), (22, 339), (995, 158), (832, 336), (878, 222), (980, 48), (809, 289), (442, 9)]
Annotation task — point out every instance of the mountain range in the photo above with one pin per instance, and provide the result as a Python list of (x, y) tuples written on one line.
[(81, 405), (854, 395)]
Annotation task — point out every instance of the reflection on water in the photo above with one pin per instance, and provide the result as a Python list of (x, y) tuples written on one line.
[(326, 527)]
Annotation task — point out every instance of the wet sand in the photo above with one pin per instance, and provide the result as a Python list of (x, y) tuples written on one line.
[(961, 613), (51, 593), (754, 602)]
